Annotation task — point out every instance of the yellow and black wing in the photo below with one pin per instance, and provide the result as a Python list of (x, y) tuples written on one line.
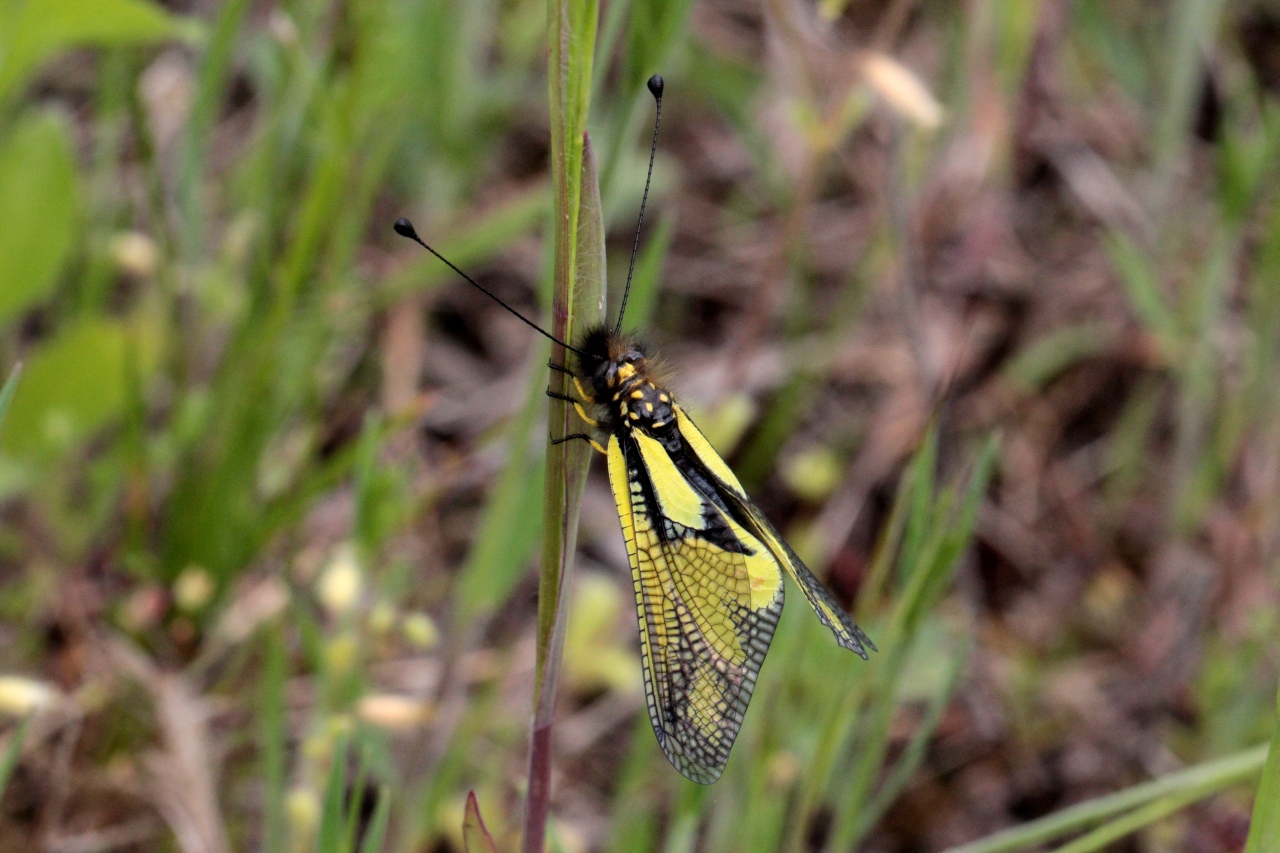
[(708, 598), (847, 633)]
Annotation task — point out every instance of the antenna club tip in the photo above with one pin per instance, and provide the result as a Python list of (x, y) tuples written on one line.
[(655, 85), (405, 228)]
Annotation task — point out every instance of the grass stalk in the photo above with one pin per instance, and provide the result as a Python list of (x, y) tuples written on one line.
[(577, 301), (1192, 24), (12, 751), (1264, 830), (10, 385), (1203, 779)]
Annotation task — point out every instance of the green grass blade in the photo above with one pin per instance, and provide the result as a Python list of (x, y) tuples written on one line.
[(1141, 285), (375, 836), (1264, 833), (13, 750), (914, 754), (1204, 779), (6, 393), (578, 299), (1130, 823), (354, 798), (333, 816), (512, 518), (273, 733)]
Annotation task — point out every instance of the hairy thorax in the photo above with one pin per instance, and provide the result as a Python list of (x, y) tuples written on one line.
[(620, 380)]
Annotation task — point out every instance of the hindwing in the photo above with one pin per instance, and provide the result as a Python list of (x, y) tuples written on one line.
[(708, 598), (829, 611), (707, 569)]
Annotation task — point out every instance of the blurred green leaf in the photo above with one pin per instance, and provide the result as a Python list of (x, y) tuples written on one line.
[(332, 831), (648, 274), (272, 738), (656, 27), (73, 384), (508, 530), (1043, 360), (6, 393), (376, 833), (39, 204), (1141, 285), (33, 30), (13, 749), (1264, 833), (1200, 781)]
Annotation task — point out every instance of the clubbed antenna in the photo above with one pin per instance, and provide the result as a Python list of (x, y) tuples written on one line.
[(655, 86), (405, 229)]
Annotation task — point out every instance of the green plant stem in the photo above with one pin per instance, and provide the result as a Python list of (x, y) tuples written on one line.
[(1204, 779), (1129, 823), (577, 301)]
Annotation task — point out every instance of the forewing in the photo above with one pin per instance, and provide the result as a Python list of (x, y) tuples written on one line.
[(708, 598), (829, 611)]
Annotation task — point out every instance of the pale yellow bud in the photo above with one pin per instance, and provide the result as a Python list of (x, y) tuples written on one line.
[(20, 696), (340, 585), (813, 474), (421, 631), (193, 589), (392, 711), (283, 29), (902, 90), (303, 807), (136, 254)]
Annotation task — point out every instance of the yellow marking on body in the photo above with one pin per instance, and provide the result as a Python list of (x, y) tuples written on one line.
[(635, 416), (637, 394), (664, 398), (648, 407), (657, 424), (626, 371)]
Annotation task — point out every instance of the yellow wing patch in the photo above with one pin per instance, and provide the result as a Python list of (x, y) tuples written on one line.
[(702, 448), (706, 607), (707, 569), (829, 611)]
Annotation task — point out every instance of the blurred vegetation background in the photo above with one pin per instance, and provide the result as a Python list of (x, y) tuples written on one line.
[(981, 300)]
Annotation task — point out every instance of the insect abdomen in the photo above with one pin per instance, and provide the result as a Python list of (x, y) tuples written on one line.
[(644, 405)]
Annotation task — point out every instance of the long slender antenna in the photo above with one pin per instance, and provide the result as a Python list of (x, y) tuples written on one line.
[(655, 86), (405, 229)]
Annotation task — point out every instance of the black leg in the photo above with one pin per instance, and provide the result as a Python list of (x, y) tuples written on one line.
[(556, 395), (561, 369), (580, 436)]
